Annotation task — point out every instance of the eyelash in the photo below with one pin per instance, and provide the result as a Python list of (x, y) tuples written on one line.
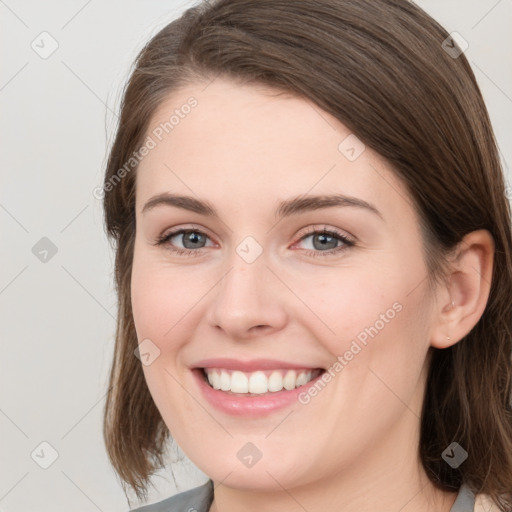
[(347, 242)]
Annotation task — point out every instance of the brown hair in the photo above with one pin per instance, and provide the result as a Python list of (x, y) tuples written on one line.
[(378, 66)]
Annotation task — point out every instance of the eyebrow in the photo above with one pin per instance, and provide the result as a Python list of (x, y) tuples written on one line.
[(286, 208)]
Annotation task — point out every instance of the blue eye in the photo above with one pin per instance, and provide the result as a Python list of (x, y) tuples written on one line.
[(326, 242), (323, 242), (191, 239)]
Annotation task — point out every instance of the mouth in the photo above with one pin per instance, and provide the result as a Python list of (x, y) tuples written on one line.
[(259, 382), (253, 388)]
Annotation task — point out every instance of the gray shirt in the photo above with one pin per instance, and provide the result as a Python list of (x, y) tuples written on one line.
[(200, 498)]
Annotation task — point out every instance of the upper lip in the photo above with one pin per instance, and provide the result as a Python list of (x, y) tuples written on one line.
[(251, 365)]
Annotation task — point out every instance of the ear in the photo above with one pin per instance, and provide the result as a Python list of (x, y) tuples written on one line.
[(462, 300)]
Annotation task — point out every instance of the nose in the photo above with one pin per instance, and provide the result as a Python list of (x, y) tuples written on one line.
[(247, 302)]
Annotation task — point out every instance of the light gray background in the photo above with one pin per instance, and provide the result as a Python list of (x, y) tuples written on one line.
[(57, 318)]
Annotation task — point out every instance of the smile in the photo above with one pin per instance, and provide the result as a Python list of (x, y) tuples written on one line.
[(258, 382), (253, 388)]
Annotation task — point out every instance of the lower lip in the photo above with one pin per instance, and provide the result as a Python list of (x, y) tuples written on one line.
[(249, 405)]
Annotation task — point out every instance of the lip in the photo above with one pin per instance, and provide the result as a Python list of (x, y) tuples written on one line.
[(252, 365), (246, 405)]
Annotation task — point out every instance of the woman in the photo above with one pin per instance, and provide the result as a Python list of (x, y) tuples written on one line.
[(313, 262)]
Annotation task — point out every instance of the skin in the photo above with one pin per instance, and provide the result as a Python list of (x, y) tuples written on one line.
[(354, 446)]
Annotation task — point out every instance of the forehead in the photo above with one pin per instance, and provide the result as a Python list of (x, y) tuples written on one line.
[(249, 143), (253, 119)]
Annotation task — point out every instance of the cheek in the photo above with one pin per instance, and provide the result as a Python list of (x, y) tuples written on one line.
[(378, 353), (160, 301), (342, 303), (373, 319), (387, 371), (161, 298)]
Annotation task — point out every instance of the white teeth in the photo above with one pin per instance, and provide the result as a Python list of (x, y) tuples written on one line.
[(214, 380), (289, 380), (239, 382), (225, 381), (275, 381), (302, 379), (259, 382)]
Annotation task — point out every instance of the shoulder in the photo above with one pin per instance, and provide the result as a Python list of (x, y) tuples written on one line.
[(198, 499), (468, 501), (483, 503)]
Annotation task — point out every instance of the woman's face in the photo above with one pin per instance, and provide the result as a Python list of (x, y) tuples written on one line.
[(302, 267)]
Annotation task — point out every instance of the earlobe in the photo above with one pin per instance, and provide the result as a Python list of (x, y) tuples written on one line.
[(464, 299)]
